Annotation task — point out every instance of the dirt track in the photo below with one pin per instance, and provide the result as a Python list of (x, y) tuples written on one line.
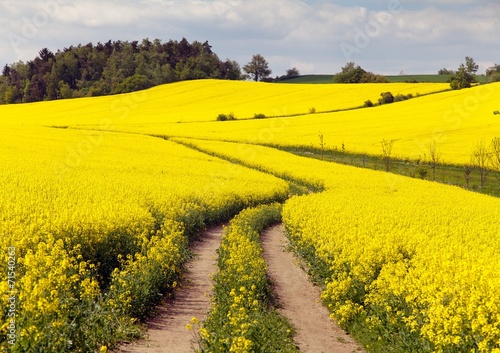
[(299, 300), (167, 332)]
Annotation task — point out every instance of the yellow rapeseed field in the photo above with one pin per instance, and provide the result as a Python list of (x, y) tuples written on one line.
[(411, 257), (456, 121), (100, 197), (203, 100), (83, 211)]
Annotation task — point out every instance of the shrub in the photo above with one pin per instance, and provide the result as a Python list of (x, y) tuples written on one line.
[(387, 98), (402, 97), (259, 116), (368, 103), (226, 117), (312, 110)]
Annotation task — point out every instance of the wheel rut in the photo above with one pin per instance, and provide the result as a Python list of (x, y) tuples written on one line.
[(299, 299), (166, 332)]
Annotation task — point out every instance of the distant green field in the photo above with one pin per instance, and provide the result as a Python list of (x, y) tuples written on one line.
[(428, 78), (418, 78), (393, 78), (310, 79)]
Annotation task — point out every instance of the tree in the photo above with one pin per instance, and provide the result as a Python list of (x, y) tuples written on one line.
[(495, 155), (387, 153), (257, 68), (445, 71), (133, 83), (370, 77), (467, 172), (386, 98), (230, 70), (6, 71), (292, 73), (479, 160), (435, 155), (471, 65), (45, 54), (112, 67), (464, 76), (493, 73), (352, 73)]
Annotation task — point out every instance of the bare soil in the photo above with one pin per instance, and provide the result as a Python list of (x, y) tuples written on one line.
[(299, 300), (166, 332)]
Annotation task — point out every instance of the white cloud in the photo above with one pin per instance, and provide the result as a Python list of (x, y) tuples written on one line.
[(306, 34)]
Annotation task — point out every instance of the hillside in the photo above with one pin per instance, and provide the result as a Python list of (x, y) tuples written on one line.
[(455, 120), (203, 100)]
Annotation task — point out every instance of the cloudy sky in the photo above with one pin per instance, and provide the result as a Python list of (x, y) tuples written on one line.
[(316, 36)]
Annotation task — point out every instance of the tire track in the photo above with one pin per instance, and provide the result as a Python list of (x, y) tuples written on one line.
[(299, 300), (166, 332)]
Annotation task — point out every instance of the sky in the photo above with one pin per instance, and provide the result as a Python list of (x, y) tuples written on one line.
[(388, 37)]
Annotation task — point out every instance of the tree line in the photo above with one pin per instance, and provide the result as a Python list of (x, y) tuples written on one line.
[(111, 68)]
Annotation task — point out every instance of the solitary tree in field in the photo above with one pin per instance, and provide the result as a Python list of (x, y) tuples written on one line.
[(257, 68), (464, 76), (471, 65)]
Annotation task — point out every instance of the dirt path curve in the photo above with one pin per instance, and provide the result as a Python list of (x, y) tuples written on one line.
[(299, 300), (167, 331)]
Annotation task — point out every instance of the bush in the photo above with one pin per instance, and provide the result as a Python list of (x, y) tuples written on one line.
[(226, 117), (402, 97), (368, 103), (455, 85), (259, 116), (312, 110), (387, 98)]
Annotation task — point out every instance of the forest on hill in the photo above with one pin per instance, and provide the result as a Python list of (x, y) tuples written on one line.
[(111, 68)]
